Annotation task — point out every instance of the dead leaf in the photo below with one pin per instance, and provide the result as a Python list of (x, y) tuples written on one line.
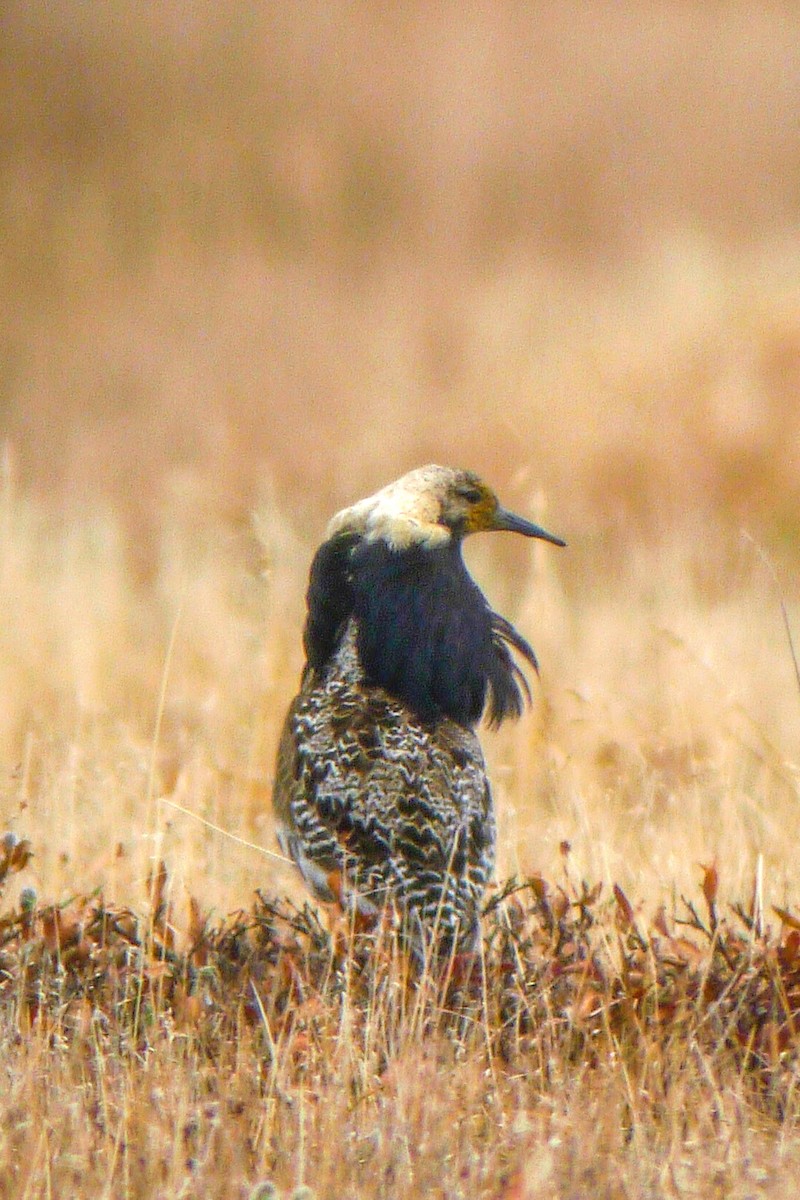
[(624, 905), (711, 886), (786, 917)]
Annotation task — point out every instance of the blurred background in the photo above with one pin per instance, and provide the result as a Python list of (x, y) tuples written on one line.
[(305, 247), (267, 257)]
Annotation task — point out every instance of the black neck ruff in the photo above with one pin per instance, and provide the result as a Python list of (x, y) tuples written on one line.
[(424, 630)]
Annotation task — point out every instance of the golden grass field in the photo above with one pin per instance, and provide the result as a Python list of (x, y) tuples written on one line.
[(257, 262)]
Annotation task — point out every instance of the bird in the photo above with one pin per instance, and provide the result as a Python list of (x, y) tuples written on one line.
[(381, 795)]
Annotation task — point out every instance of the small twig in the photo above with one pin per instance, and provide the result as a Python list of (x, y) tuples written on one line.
[(696, 921), (743, 916)]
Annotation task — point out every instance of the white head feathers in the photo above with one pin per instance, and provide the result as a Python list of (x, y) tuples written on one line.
[(404, 513)]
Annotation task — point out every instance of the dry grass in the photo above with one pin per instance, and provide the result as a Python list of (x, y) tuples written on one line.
[(580, 1052), (267, 262)]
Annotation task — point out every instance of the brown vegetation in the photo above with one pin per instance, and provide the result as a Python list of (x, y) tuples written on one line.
[(580, 1051)]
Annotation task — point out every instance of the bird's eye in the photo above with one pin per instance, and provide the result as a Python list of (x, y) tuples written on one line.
[(471, 495)]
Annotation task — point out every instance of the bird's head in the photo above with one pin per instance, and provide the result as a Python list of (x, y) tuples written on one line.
[(431, 507)]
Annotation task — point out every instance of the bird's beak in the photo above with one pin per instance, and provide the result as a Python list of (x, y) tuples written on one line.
[(503, 519)]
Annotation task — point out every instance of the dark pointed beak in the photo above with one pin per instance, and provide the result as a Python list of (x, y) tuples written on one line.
[(503, 519)]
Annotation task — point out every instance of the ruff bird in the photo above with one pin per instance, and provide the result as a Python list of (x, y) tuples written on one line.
[(381, 795)]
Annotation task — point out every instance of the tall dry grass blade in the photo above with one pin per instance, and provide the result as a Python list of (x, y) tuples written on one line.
[(231, 837), (156, 739), (758, 897), (770, 566)]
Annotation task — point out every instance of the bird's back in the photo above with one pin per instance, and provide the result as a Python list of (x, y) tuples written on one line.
[(378, 806)]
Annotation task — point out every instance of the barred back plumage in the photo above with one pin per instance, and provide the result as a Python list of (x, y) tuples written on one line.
[(381, 794)]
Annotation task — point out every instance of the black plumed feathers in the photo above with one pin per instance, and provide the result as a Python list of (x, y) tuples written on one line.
[(425, 632), (329, 600)]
